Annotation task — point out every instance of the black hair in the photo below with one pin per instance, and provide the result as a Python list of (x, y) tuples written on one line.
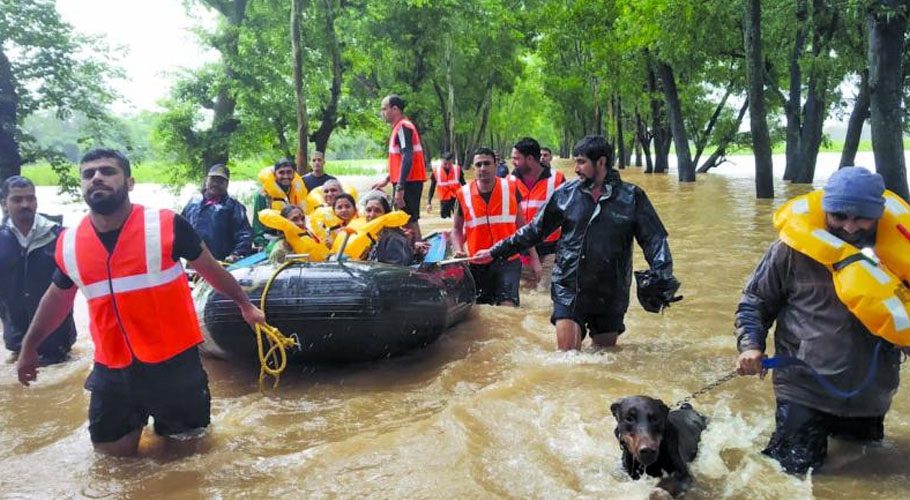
[(344, 196), (447, 156), (286, 211), (100, 153), (483, 150), (395, 100), (544, 148), (16, 181), (528, 147), (594, 147)]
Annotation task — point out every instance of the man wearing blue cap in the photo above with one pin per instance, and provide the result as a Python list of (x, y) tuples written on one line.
[(794, 290)]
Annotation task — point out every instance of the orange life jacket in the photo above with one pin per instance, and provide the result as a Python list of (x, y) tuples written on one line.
[(534, 198), (138, 297), (488, 224), (447, 183), (418, 165)]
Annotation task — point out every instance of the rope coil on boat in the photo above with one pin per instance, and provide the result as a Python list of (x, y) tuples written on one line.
[(272, 362)]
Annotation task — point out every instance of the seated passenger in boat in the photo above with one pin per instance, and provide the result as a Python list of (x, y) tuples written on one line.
[(280, 248), (322, 216), (344, 208), (392, 246)]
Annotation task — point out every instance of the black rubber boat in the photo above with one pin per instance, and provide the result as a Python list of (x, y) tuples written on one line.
[(340, 312)]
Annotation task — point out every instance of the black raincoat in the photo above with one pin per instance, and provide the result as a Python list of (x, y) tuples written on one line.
[(593, 268)]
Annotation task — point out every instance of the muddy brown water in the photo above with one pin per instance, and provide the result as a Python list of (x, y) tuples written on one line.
[(489, 410)]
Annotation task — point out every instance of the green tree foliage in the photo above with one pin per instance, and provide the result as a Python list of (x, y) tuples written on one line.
[(46, 66)]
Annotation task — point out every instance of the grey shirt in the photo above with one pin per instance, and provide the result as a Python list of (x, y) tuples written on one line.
[(797, 293)]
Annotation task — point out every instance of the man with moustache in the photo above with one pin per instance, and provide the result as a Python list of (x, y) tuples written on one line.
[(792, 290), (284, 172), (599, 215), (546, 156), (536, 183), (220, 219), (125, 259), (27, 243), (488, 213)]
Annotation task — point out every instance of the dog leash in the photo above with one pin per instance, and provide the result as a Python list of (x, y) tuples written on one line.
[(706, 389)]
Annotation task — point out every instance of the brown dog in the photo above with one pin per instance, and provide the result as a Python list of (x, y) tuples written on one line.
[(657, 441)]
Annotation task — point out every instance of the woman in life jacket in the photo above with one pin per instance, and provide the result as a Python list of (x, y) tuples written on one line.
[(392, 245), (322, 217), (344, 209), (291, 221)]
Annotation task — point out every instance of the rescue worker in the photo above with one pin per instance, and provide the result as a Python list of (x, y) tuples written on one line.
[(546, 156), (447, 177), (392, 245), (792, 290), (599, 215), (487, 214), (219, 218), (536, 183), (27, 243), (317, 177), (284, 174), (125, 259), (407, 167)]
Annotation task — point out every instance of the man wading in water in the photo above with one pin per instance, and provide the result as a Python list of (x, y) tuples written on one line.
[(126, 261), (599, 214), (794, 291)]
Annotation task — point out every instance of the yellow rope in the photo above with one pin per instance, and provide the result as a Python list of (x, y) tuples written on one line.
[(273, 361)]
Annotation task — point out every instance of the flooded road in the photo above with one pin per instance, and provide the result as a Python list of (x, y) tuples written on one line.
[(489, 410)]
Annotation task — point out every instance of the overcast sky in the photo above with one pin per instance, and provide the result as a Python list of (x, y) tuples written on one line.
[(156, 35)]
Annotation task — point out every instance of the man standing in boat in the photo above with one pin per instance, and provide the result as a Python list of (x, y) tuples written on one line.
[(317, 177), (599, 215), (794, 288), (125, 259), (488, 213), (407, 167)]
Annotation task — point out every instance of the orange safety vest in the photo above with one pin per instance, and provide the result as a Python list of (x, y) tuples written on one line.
[(138, 297), (447, 183), (534, 198), (485, 225), (418, 165)]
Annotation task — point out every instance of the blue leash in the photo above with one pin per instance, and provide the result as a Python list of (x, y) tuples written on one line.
[(778, 362)]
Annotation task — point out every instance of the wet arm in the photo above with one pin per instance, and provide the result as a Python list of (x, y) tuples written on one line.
[(652, 236), (432, 189), (219, 278), (458, 231), (532, 234), (406, 141)]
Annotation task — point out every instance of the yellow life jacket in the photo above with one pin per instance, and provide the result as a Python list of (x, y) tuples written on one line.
[(296, 196), (876, 293), (367, 233), (315, 198), (321, 220), (299, 239)]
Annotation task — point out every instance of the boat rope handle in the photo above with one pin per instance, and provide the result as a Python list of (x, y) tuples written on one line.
[(274, 361)]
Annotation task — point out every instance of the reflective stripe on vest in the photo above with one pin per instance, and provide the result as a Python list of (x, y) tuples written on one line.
[(503, 218), (418, 164)]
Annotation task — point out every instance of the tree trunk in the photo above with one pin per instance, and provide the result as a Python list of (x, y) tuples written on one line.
[(644, 140), (684, 166), (302, 156), (702, 142), (620, 137), (758, 122), (794, 100), (811, 135), (637, 145), (659, 130), (10, 158), (858, 117), (717, 156), (886, 45), (329, 116)]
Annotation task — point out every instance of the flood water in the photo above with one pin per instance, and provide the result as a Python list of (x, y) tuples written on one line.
[(489, 410)]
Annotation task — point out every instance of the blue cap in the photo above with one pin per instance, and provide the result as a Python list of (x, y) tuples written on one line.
[(855, 191)]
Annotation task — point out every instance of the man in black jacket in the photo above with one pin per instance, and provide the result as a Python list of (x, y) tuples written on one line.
[(27, 244), (599, 215)]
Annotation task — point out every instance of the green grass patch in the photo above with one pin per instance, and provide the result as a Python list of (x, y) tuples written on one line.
[(161, 173)]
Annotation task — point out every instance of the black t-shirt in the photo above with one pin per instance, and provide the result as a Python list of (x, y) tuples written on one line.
[(312, 182), (187, 245)]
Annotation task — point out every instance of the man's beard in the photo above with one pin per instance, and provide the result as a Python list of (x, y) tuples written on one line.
[(108, 204), (859, 239)]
